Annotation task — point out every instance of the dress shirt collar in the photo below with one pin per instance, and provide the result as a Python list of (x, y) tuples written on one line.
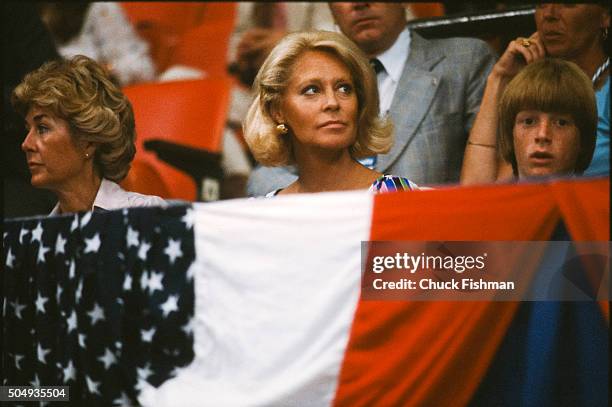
[(395, 57)]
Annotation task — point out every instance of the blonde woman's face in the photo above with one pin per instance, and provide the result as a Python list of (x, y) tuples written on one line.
[(545, 143), (319, 104), (54, 158)]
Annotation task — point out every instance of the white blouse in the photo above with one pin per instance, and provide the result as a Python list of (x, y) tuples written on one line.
[(111, 196)]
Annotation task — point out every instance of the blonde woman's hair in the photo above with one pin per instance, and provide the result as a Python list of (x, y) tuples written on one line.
[(269, 147), (80, 91), (550, 85)]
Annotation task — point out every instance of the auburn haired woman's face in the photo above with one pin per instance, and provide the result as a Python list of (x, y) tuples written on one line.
[(320, 104), (54, 157)]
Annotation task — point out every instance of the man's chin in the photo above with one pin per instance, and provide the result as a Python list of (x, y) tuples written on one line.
[(367, 37)]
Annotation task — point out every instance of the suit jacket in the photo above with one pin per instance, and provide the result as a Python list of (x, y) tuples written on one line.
[(434, 106)]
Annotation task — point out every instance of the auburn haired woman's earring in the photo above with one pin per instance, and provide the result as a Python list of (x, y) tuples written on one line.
[(282, 129)]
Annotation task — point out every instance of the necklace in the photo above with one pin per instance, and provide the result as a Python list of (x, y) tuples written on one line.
[(600, 70)]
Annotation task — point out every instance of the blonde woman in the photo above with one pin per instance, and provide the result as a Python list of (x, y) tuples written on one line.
[(316, 107)]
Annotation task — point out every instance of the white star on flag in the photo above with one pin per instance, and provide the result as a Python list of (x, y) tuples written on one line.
[(123, 400), (35, 382), (92, 386), (42, 353), (18, 308), (22, 233), (147, 336), (188, 327), (71, 270), (82, 338), (42, 250), (85, 219), (10, 258), (79, 291), (58, 293), (93, 244), (173, 250), (144, 280), (127, 283), (142, 252), (155, 282), (18, 361), (108, 358), (144, 372), (72, 321), (69, 372), (37, 233), (170, 305), (40, 303), (60, 244), (75, 223), (97, 314), (132, 237), (188, 218)]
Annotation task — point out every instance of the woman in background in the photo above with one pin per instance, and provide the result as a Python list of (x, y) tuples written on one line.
[(316, 106), (101, 31), (573, 32), (81, 134)]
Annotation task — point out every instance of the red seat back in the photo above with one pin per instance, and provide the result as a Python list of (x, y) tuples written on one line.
[(144, 178), (191, 113)]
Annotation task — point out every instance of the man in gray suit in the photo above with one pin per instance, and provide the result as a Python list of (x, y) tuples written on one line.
[(431, 88)]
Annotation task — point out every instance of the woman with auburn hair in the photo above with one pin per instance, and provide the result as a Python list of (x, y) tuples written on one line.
[(81, 134), (548, 120), (316, 106)]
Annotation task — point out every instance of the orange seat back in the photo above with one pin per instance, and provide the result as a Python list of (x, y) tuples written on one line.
[(174, 16), (427, 10), (162, 23), (204, 47), (145, 179), (191, 113), (215, 12)]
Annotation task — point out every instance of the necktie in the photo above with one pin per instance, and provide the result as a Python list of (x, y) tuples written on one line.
[(377, 65)]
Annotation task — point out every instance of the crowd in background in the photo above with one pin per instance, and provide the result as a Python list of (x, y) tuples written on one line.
[(440, 95)]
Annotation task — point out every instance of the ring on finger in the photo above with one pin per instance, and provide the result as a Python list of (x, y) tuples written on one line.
[(525, 43)]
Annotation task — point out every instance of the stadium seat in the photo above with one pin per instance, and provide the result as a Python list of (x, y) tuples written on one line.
[(145, 179), (204, 47), (427, 10), (190, 113), (215, 12), (162, 23)]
